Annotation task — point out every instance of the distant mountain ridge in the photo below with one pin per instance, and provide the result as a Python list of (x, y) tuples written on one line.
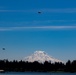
[(41, 57)]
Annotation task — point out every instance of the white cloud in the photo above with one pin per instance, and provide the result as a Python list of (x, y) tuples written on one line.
[(36, 22), (17, 11), (64, 10), (38, 27)]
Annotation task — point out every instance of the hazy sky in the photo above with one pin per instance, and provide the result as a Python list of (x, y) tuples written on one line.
[(23, 30)]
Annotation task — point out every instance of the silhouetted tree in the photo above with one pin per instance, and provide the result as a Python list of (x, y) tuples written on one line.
[(22, 66)]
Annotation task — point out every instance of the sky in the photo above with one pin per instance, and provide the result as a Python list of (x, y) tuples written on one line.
[(23, 30)]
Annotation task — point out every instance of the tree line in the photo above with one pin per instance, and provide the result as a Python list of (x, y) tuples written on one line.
[(22, 66)]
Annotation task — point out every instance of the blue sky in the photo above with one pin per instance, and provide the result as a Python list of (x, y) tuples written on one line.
[(23, 30)]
